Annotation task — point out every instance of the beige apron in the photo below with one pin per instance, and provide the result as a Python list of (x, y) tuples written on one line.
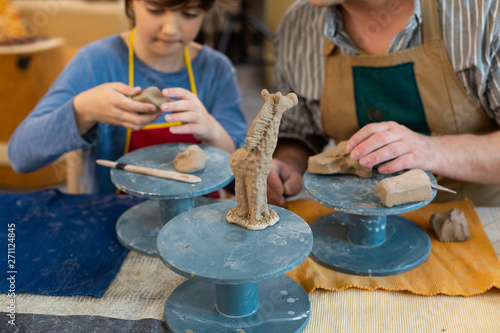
[(446, 108)]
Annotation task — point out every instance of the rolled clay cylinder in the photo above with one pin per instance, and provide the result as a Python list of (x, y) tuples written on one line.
[(151, 95), (450, 226), (411, 186), (191, 160), (337, 160)]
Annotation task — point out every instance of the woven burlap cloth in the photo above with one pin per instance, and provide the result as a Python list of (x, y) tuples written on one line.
[(453, 268)]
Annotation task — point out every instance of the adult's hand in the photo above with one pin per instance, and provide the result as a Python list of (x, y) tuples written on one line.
[(394, 147), (282, 181)]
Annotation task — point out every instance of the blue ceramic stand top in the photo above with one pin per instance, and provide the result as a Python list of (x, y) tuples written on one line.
[(216, 174), (236, 282), (367, 238), (355, 195), (201, 244)]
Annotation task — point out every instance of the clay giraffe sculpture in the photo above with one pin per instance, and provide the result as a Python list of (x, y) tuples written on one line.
[(252, 163)]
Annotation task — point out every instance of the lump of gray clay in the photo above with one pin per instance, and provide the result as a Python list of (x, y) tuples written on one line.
[(450, 226), (191, 160), (337, 160), (151, 95)]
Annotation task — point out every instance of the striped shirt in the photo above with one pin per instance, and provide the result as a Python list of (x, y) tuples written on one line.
[(470, 32)]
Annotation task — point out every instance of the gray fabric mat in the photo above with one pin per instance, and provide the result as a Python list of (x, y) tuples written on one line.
[(35, 323)]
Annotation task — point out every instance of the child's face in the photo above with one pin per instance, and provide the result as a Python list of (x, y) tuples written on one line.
[(165, 31)]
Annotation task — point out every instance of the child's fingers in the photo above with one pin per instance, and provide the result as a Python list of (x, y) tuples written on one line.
[(184, 129), (180, 105), (128, 104), (140, 107), (136, 121), (125, 89), (183, 117), (118, 95), (179, 93)]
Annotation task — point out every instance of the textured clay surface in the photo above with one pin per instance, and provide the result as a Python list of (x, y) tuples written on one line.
[(337, 160), (252, 163), (151, 95), (450, 226), (191, 160)]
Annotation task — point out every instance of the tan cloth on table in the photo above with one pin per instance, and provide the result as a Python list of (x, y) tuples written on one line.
[(453, 268)]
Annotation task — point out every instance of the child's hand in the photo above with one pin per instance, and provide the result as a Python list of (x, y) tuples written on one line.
[(109, 103), (195, 119)]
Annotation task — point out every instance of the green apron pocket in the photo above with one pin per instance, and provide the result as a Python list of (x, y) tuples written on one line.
[(389, 93)]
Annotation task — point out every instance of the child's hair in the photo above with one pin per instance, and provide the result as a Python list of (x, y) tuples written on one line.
[(206, 5)]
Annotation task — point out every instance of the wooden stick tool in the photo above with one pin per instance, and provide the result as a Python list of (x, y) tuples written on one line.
[(442, 188), (183, 177)]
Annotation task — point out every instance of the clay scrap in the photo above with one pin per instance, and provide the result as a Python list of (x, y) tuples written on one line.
[(450, 226), (151, 95), (192, 159), (252, 163), (337, 160), (411, 186)]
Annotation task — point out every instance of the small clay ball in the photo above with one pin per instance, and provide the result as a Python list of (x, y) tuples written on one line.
[(191, 160)]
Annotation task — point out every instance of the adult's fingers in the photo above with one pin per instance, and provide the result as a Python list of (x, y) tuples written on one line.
[(379, 139), (385, 153), (365, 132), (293, 184), (275, 188)]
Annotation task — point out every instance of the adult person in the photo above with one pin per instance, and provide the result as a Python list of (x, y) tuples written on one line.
[(88, 106), (410, 83)]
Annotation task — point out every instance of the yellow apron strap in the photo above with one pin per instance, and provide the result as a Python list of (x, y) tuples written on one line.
[(131, 58), (190, 71), (130, 79)]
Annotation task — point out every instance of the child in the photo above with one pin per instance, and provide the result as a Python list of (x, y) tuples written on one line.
[(88, 106)]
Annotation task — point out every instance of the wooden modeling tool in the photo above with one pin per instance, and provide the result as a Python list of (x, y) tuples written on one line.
[(183, 177), (138, 227)]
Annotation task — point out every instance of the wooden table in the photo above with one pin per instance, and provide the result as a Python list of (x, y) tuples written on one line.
[(135, 301)]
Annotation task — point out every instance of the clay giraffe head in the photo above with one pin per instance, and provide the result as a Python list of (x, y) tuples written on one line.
[(273, 109)]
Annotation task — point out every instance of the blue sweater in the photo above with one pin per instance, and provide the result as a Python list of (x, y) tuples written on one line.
[(50, 129)]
